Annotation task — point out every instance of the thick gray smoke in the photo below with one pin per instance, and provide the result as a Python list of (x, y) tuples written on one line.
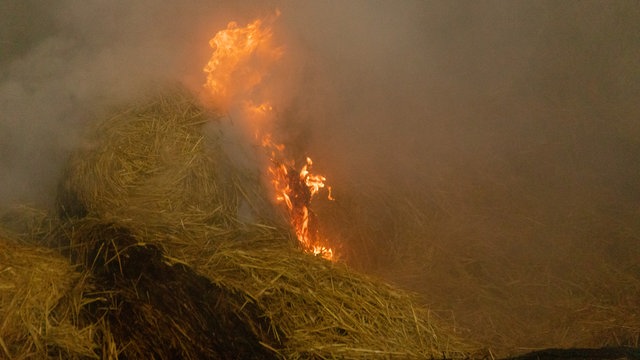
[(514, 126), (400, 89)]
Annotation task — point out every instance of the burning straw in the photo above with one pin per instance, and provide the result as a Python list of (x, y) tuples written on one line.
[(154, 173)]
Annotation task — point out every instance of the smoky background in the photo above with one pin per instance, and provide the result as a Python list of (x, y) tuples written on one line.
[(483, 154)]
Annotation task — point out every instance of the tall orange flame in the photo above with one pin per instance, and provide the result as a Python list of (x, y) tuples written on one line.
[(241, 59)]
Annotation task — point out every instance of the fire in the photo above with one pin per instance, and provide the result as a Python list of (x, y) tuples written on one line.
[(241, 57), (240, 61), (296, 189)]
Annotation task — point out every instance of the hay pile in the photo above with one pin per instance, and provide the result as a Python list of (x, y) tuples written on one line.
[(324, 310), (292, 304), (149, 307), (151, 164), (40, 298), (150, 214)]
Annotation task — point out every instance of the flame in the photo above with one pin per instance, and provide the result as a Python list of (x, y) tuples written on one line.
[(239, 64), (296, 189), (262, 110), (241, 57)]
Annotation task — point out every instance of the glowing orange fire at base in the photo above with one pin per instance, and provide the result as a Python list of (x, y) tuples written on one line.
[(241, 58), (296, 190)]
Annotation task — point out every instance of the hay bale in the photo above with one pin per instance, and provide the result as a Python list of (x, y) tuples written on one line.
[(151, 163), (40, 301)]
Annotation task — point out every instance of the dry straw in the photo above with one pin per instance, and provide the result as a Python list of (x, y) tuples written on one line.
[(297, 305), (152, 171), (324, 310), (152, 165), (40, 299)]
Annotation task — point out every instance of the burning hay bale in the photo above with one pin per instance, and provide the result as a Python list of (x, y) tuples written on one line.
[(40, 301), (153, 209)]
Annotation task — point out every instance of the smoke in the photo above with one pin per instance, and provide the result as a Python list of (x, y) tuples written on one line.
[(423, 84), (483, 154), (65, 64), (511, 112), (513, 124), (379, 88)]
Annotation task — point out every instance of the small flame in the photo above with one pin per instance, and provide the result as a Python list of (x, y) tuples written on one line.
[(262, 110), (296, 190), (239, 63), (314, 182)]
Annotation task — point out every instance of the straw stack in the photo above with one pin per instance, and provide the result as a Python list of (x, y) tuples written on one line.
[(154, 175)]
